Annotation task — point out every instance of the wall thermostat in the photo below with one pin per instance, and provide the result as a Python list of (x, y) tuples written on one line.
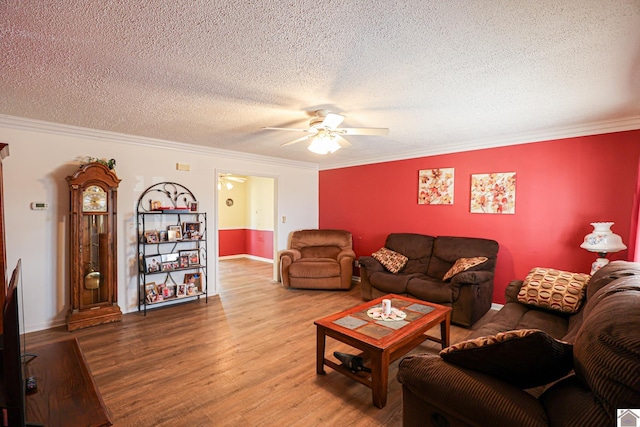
[(39, 206)]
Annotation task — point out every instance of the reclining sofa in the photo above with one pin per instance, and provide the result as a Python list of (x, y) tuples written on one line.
[(468, 292), (572, 369)]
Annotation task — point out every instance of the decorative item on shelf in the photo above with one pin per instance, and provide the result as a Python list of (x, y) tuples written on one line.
[(602, 241)]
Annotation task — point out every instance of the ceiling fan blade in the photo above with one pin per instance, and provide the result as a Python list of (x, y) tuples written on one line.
[(342, 142), (332, 120), (236, 179), (290, 129), (296, 140), (363, 131)]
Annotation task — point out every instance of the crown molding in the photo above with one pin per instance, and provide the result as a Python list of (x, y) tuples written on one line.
[(595, 128), (77, 131)]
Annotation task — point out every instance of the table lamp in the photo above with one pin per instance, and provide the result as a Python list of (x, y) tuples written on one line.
[(602, 241)]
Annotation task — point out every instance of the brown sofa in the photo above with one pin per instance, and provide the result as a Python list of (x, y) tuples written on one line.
[(318, 259), (469, 293), (603, 367)]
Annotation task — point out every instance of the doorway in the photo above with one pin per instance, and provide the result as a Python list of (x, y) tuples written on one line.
[(245, 220)]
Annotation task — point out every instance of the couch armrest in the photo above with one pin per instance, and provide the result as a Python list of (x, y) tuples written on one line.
[(370, 264), (471, 277), (347, 253), (463, 396), (287, 257), (511, 292)]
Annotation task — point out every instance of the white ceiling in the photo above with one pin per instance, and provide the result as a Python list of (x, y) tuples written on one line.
[(443, 75)]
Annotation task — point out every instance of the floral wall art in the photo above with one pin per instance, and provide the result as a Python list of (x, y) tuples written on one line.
[(435, 186), (493, 193)]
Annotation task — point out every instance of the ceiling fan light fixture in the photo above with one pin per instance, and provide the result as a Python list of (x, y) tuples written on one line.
[(324, 144)]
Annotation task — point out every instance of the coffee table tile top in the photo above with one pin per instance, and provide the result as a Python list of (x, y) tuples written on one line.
[(377, 329), (350, 322)]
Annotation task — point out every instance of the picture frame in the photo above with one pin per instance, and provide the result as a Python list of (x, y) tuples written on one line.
[(152, 264), (171, 257), (162, 235), (183, 261), (167, 266), (151, 292), (161, 287), (194, 282), (155, 205), (174, 233), (436, 186), (493, 193), (193, 256), (181, 290), (169, 291), (151, 236), (191, 231), (193, 206)]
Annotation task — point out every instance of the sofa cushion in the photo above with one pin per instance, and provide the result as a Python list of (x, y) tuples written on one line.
[(416, 247), (391, 260), (463, 264), (525, 357), (554, 289), (448, 249)]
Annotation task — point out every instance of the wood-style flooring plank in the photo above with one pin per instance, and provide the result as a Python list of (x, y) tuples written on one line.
[(247, 358)]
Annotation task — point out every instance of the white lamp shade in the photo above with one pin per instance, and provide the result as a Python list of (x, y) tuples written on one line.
[(602, 239)]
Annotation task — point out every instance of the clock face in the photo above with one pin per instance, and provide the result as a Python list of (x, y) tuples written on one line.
[(94, 199)]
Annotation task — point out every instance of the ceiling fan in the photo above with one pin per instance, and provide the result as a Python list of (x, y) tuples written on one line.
[(224, 179), (327, 136)]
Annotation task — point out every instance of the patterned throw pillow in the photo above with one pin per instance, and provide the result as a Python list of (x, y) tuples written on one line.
[(526, 357), (392, 261), (463, 264), (554, 289)]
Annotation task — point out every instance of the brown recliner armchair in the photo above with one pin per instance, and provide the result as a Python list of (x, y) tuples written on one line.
[(318, 259)]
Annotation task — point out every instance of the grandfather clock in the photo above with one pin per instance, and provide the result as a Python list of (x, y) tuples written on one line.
[(93, 258)]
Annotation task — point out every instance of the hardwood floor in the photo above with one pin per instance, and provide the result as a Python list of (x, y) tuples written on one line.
[(247, 358)]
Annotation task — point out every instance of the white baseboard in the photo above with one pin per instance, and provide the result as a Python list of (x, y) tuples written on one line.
[(253, 257)]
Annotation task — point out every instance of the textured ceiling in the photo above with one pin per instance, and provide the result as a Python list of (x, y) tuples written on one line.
[(442, 75)]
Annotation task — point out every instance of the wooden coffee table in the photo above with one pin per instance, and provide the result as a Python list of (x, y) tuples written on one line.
[(380, 341)]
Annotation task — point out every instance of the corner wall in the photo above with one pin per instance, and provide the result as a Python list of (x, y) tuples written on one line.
[(561, 187)]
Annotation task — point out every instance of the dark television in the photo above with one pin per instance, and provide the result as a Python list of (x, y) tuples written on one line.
[(13, 357)]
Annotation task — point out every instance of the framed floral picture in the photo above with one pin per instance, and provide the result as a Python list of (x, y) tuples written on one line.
[(435, 186), (493, 193)]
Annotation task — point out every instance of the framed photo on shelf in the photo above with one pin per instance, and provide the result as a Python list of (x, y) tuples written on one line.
[(152, 264), (193, 256), (191, 230), (194, 283), (193, 206), (155, 205), (172, 257), (181, 290), (169, 291), (183, 261), (167, 266), (174, 233), (151, 236), (161, 287), (151, 292), (162, 235)]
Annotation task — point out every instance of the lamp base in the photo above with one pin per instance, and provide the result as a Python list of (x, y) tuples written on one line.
[(598, 264)]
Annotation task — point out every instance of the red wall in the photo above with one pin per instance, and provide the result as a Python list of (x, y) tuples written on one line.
[(561, 187), (244, 241)]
